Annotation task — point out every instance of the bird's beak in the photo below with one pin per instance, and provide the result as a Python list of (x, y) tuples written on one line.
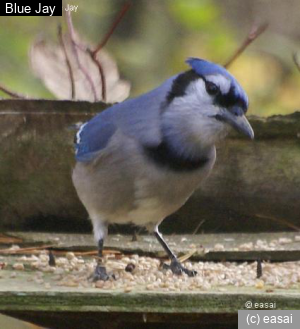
[(238, 122)]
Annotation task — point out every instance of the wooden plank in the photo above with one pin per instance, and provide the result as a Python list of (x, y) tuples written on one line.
[(77, 308), (59, 306), (23, 294), (204, 244), (113, 320), (234, 198), (171, 303)]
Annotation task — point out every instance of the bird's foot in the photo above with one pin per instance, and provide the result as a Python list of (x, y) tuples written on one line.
[(99, 274), (177, 268)]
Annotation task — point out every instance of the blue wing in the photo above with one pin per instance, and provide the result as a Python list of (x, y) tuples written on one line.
[(138, 118), (93, 136)]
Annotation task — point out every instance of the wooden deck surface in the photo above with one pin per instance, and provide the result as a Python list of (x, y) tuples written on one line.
[(204, 245), (75, 307)]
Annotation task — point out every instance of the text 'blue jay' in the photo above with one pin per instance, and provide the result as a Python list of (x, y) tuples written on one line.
[(140, 160)]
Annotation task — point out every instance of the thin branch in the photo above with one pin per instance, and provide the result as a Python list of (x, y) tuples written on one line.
[(60, 252), (296, 60), (281, 221), (11, 93), (23, 250), (101, 73), (254, 33), (93, 53), (198, 226), (68, 63), (5, 239), (113, 27), (74, 47)]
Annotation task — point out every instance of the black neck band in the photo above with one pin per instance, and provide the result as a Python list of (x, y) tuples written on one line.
[(165, 156)]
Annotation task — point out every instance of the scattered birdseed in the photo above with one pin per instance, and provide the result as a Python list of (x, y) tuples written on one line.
[(18, 267), (138, 273), (13, 275), (70, 255), (130, 267), (128, 289), (14, 247), (285, 240), (47, 285), (246, 246), (2, 265), (259, 284), (22, 259), (219, 247)]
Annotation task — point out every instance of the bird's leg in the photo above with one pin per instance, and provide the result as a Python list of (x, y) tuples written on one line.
[(176, 267), (100, 271)]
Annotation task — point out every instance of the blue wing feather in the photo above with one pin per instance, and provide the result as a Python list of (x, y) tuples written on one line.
[(94, 136), (137, 118)]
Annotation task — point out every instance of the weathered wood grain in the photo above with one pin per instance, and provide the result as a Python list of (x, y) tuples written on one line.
[(203, 245), (255, 186), (79, 307), (74, 308)]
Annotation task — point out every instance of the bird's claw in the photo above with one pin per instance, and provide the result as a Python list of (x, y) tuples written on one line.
[(99, 274), (177, 268)]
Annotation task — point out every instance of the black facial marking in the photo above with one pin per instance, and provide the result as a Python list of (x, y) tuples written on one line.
[(164, 156), (181, 83), (229, 100)]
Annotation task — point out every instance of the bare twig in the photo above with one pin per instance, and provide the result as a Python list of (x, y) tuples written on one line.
[(6, 239), (254, 33), (68, 63), (75, 48), (101, 73), (296, 60), (183, 258), (38, 249), (113, 27), (24, 250), (93, 53), (281, 221), (11, 93), (198, 226)]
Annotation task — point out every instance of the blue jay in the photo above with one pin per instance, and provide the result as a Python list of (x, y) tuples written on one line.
[(140, 160)]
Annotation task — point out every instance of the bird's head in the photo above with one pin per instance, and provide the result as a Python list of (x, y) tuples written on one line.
[(210, 100)]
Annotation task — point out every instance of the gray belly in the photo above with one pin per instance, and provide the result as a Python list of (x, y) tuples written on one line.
[(122, 189)]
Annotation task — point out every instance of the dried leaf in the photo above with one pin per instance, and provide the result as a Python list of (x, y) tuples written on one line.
[(49, 64)]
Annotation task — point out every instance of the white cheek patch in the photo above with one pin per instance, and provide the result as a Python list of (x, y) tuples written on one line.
[(196, 92), (221, 81)]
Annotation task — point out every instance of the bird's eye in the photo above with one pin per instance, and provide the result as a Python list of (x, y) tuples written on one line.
[(211, 88)]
